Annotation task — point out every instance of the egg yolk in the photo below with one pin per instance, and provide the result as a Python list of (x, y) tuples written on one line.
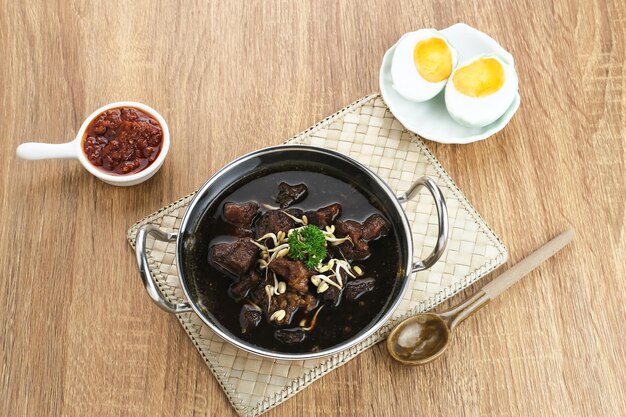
[(433, 59), (480, 78)]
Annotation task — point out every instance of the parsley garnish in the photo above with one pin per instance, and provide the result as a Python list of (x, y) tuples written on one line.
[(309, 245)]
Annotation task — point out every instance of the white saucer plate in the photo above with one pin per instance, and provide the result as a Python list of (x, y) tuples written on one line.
[(430, 119)]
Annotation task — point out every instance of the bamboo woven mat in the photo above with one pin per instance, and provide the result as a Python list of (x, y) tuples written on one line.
[(367, 131)]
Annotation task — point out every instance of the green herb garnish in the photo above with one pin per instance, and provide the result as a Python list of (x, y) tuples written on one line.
[(307, 244)]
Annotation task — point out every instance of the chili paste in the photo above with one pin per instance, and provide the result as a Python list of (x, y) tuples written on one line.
[(123, 141)]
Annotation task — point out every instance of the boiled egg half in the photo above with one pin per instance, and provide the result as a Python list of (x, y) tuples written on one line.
[(422, 63), (480, 91)]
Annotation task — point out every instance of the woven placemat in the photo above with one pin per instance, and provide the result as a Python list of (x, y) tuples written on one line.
[(367, 131)]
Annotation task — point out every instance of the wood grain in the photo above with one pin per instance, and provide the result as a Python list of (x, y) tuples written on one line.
[(78, 336)]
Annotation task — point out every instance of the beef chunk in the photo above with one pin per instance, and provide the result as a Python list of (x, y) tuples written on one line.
[(294, 272), (275, 220), (237, 257), (290, 336), (372, 228), (309, 302), (325, 216), (258, 295), (240, 289), (358, 248), (290, 194), (240, 215), (356, 288), (249, 317), (332, 295), (291, 302)]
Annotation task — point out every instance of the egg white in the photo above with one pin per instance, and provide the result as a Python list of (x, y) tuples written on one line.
[(407, 80), (481, 111)]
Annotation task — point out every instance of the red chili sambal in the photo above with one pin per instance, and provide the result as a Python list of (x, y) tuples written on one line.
[(123, 141)]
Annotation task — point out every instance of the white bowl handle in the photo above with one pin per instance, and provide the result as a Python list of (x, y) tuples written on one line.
[(36, 151)]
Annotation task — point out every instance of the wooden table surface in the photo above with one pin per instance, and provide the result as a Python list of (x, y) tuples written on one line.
[(79, 336)]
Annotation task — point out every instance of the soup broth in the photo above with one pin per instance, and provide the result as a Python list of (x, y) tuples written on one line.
[(328, 323)]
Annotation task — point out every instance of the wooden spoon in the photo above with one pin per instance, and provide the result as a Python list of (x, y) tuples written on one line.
[(424, 337)]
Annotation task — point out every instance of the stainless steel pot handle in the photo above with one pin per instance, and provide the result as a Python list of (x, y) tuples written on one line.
[(144, 270), (442, 216)]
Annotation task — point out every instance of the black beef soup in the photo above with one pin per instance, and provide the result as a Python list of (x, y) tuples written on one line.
[(295, 261)]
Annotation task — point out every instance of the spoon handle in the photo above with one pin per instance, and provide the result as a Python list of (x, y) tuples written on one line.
[(524, 267), (457, 314)]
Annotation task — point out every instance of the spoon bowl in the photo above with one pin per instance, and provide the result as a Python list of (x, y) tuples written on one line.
[(419, 339)]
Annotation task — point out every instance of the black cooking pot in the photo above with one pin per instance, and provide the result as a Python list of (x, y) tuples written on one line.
[(280, 158)]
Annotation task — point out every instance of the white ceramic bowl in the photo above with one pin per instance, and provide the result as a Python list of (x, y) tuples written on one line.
[(74, 149), (430, 119)]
